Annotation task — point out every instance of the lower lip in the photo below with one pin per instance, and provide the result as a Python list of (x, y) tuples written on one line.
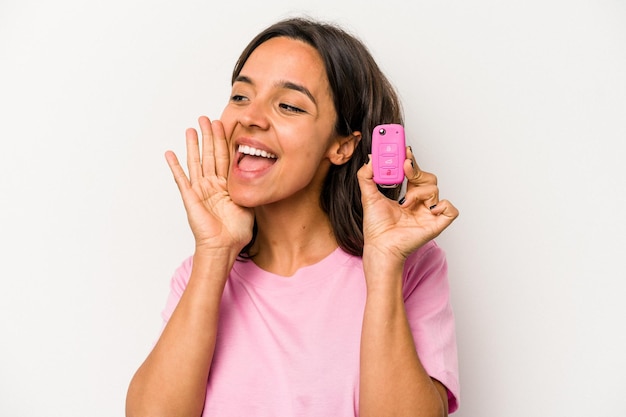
[(249, 174)]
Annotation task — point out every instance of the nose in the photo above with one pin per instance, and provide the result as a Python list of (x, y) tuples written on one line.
[(255, 115)]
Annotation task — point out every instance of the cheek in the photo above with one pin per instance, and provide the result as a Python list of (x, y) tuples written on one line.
[(229, 121)]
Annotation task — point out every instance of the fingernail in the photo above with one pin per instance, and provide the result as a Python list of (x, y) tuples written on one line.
[(432, 207), (402, 200)]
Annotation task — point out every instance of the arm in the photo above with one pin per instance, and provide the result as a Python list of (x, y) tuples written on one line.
[(172, 380), (393, 380), (392, 376)]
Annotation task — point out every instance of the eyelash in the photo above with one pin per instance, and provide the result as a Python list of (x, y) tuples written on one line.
[(290, 108), (287, 107)]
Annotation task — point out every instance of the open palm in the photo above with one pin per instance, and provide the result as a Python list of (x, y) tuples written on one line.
[(215, 220)]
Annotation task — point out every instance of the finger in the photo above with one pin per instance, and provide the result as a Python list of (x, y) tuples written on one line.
[(413, 173), (426, 194), (446, 209), (365, 176), (222, 155), (177, 171), (187, 193), (193, 155), (444, 214), (424, 182), (208, 149)]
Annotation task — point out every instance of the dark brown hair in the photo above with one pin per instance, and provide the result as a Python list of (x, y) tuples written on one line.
[(363, 98)]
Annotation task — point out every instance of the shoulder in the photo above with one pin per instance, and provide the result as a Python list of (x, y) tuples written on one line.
[(426, 267), (427, 258), (426, 292), (180, 279)]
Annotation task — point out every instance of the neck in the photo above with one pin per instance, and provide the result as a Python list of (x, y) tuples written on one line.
[(290, 238)]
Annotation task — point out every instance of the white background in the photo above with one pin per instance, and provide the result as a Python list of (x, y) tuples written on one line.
[(519, 107)]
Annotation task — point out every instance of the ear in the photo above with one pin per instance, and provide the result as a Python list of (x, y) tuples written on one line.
[(343, 147)]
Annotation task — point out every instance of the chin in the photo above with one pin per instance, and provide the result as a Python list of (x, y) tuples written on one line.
[(248, 198)]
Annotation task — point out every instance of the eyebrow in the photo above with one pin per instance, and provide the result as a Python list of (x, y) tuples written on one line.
[(282, 84)]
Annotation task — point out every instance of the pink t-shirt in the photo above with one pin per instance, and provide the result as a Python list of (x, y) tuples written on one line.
[(289, 346)]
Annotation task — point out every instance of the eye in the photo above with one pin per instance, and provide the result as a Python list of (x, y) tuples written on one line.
[(291, 108), (238, 98)]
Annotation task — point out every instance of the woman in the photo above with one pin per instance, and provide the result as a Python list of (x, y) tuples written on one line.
[(310, 292)]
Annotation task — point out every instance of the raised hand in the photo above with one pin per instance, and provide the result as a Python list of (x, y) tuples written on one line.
[(216, 221), (395, 230)]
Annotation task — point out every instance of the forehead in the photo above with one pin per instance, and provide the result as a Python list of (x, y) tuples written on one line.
[(286, 59)]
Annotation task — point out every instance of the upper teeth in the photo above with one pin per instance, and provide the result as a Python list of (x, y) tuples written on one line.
[(249, 150)]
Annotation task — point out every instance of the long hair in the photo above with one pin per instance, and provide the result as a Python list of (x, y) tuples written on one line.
[(363, 98)]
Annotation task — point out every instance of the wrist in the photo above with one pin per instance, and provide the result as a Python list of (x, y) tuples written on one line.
[(215, 263), (383, 272), (379, 260), (216, 250)]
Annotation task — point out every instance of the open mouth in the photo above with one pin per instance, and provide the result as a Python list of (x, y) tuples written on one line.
[(253, 159)]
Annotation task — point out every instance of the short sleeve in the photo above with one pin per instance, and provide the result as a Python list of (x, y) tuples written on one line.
[(178, 284), (427, 299)]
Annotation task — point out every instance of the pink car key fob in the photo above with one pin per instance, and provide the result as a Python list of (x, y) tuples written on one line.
[(388, 155)]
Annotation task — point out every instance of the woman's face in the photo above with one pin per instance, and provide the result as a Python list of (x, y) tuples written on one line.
[(280, 123)]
